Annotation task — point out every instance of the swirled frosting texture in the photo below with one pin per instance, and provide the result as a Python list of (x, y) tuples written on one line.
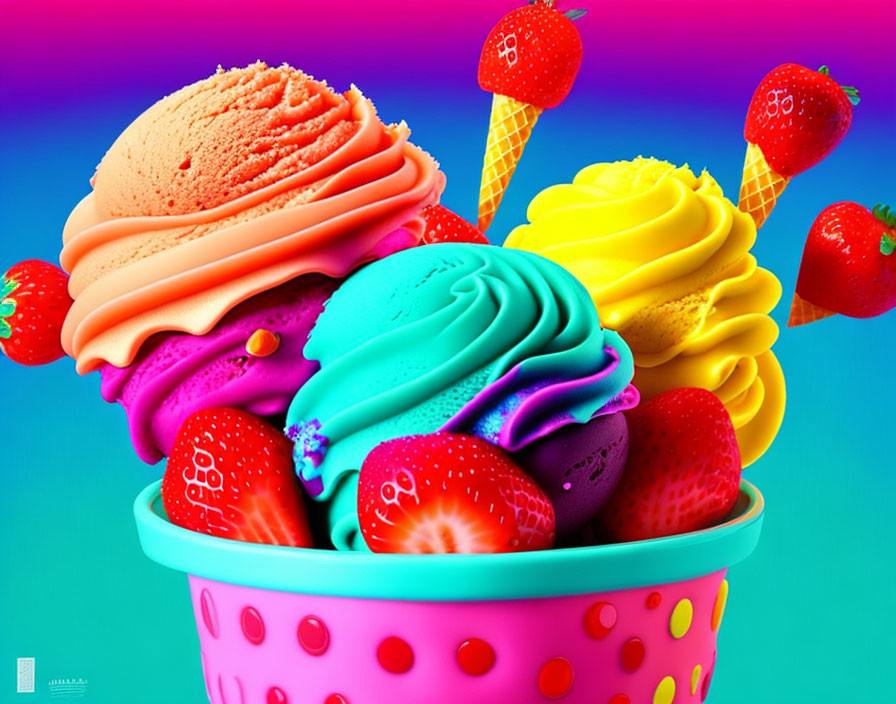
[(227, 188), (665, 257), (469, 338)]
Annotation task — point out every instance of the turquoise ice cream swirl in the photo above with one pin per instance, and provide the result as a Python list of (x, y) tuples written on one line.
[(485, 340)]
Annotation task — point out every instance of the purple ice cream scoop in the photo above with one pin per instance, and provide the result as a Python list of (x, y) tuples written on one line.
[(177, 374), (578, 466)]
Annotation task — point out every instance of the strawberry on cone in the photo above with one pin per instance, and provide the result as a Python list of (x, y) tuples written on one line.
[(529, 62), (848, 266), (795, 119)]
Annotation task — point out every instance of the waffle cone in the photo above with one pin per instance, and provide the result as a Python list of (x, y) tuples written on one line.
[(802, 312), (760, 186), (509, 128)]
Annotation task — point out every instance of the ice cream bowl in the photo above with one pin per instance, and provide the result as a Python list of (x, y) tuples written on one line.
[(628, 623)]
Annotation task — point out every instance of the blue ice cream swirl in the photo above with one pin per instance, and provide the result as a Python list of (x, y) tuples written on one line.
[(468, 338)]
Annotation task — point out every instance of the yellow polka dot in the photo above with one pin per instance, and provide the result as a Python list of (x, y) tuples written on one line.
[(665, 691), (695, 679), (682, 615), (719, 608)]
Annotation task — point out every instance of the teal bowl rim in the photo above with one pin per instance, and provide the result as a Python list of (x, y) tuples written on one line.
[(564, 571)]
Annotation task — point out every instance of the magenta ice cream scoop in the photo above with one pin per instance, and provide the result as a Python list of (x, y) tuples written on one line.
[(578, 466), (177, 374)]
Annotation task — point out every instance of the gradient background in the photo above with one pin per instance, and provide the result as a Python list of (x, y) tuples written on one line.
[(810, 616)]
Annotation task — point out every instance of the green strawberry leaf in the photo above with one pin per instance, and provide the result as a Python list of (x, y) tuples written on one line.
[(7, 286), (7, 305), (887, 245), (882, 213), (851, 92), (575, 14), (7, 308)]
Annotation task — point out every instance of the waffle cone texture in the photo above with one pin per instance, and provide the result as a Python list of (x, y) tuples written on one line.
[(802, 312), (509, 129), (761, 186)]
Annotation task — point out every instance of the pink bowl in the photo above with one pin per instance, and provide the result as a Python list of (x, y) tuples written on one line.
[(584, 625)]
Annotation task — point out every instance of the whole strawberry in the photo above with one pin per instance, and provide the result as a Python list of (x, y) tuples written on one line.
[(443, 225), (848, 265), (797, 116), (447, 492), (683, 468), (34, 301), (529, 62), (795, 119), (532, 55), (230, 474)]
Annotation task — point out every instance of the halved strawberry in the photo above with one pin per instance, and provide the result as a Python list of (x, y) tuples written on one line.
[(443, 225), (683, 468), (230, 474), (447, 492)]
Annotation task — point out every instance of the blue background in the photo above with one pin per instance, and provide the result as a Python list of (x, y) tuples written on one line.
[(810, 616)]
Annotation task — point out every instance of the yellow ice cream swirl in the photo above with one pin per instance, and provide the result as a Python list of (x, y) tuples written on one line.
[(665, 257)]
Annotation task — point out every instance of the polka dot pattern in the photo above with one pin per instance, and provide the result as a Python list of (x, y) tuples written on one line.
[(395, 655), (314, 637), (682, 616), (665, 691), (615, 624), (276, 696), (555, 678), (632, 654), (718, 609), (600, 619), (209, 613), (252, 625), (695, 678), (475, 657)]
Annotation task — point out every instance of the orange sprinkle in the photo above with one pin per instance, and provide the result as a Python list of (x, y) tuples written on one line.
[(262, 343)]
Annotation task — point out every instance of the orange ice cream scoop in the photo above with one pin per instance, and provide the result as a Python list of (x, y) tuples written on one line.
[(221, 138), (229, 187)]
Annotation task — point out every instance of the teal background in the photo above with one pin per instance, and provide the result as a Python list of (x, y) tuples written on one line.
[(810, 616)]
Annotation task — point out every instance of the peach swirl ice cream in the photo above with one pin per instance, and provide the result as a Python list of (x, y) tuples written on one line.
[(665, 257), (228, 188)]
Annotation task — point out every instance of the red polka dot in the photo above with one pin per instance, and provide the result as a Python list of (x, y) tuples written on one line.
[(314, 637), (209, 612), (600, 619), (395, 655), (335, 699), (555, 678), (252, 625), (475, 656), (653, 600), (620, 699), (277, 696), (632, 654)]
